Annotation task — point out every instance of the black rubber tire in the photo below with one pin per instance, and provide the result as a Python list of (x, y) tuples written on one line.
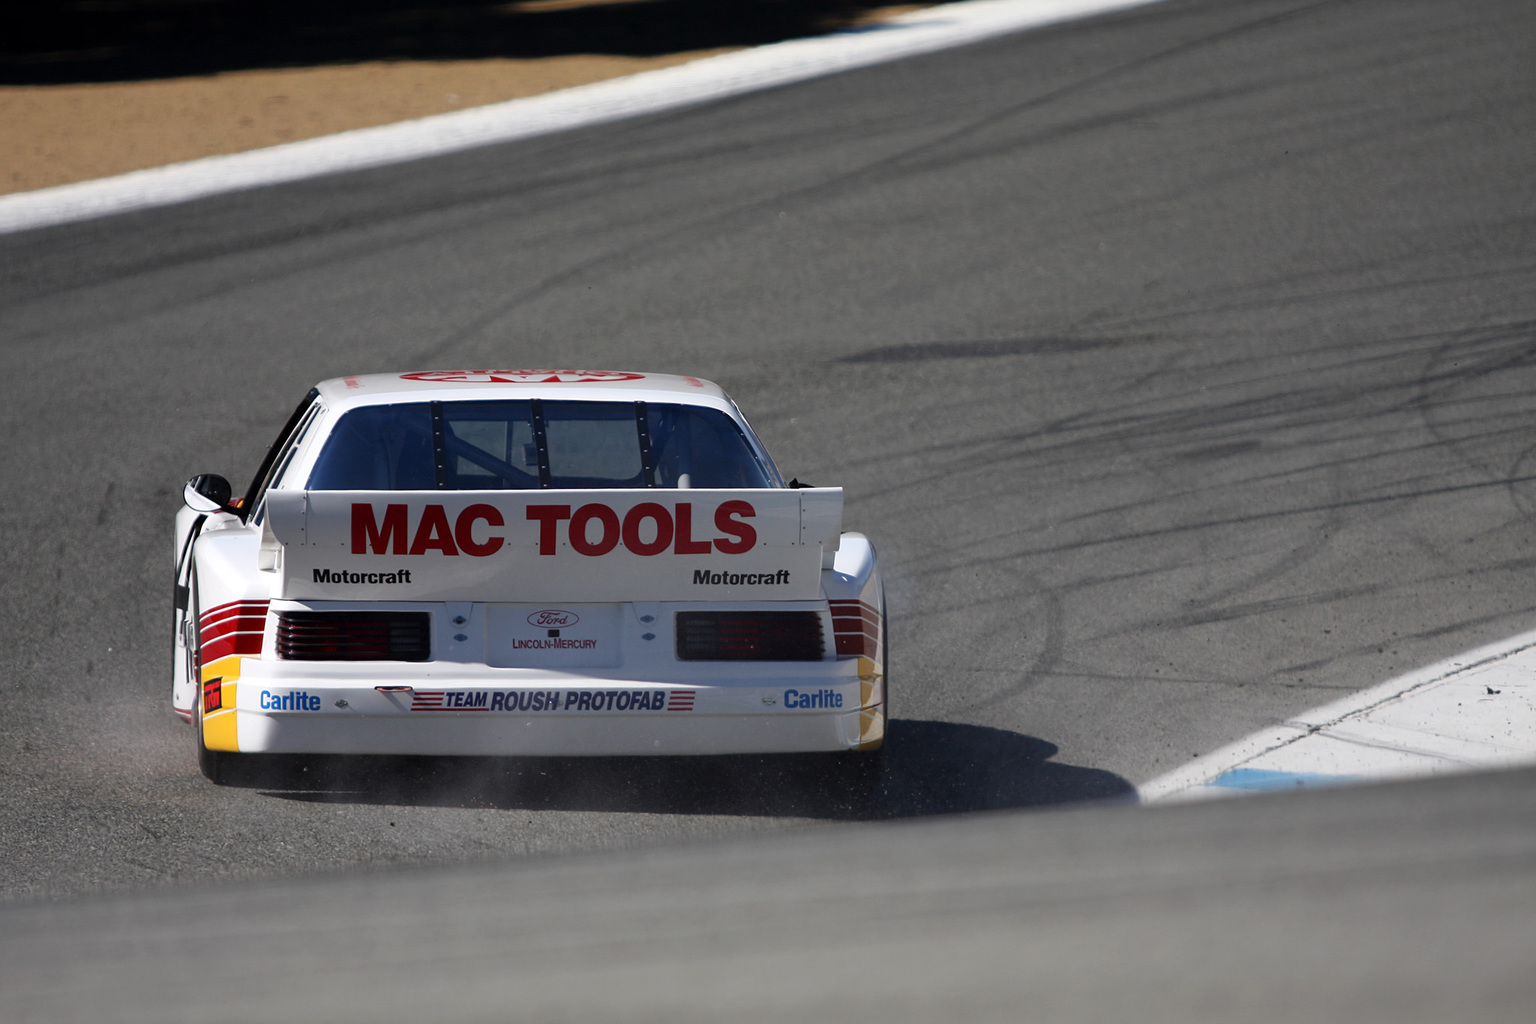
[(885, 665), (863, 772), (214, 764), (885, 678)]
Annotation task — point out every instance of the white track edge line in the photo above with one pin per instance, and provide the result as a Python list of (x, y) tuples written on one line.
[(732, 74), (1213, 765)]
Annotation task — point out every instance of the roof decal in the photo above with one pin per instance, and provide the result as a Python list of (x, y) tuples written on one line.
[(343, 393), (522, 376)]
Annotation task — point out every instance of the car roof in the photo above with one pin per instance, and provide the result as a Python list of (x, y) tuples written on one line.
[(480, 385)]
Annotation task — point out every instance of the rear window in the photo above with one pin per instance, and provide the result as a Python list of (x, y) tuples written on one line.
[(527, 444)]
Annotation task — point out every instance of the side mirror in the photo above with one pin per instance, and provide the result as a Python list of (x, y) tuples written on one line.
[(208, 493)]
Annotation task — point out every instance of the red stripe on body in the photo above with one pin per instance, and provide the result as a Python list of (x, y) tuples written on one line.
[(243, 623), (232, 610)]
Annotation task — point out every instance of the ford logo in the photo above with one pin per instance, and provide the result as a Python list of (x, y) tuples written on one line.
[(553, 618)]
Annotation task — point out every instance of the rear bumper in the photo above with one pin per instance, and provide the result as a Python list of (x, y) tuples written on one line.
[(457, 709)]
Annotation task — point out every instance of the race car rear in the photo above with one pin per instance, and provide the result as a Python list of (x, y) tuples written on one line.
[(424, 571)]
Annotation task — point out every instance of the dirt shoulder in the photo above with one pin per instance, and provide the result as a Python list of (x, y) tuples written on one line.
[(60, 133)]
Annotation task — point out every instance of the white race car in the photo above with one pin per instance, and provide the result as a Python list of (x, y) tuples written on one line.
[(524, 562)]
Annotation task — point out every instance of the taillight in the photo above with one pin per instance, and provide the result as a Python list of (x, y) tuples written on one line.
[(856, 625), (354, 636), (749, 636)]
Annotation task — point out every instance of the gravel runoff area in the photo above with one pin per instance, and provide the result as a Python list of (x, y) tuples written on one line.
[(120, 115)]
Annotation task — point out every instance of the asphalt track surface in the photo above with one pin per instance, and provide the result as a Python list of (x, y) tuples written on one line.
[(1180, 362)]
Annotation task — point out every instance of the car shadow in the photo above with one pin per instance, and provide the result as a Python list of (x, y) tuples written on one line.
[(930, 768), (43, 42)]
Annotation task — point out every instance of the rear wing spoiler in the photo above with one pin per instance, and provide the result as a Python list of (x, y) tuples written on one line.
[(552, 545)]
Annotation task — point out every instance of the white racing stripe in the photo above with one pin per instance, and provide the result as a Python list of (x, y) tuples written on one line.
[(1475, 711), (731, 74)]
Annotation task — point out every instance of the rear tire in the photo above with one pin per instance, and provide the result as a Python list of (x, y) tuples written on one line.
[(885, 669), (863, 772), (212, 763)]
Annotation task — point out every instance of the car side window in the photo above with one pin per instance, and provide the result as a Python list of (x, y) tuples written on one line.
[(305, 413), (299, 437)]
